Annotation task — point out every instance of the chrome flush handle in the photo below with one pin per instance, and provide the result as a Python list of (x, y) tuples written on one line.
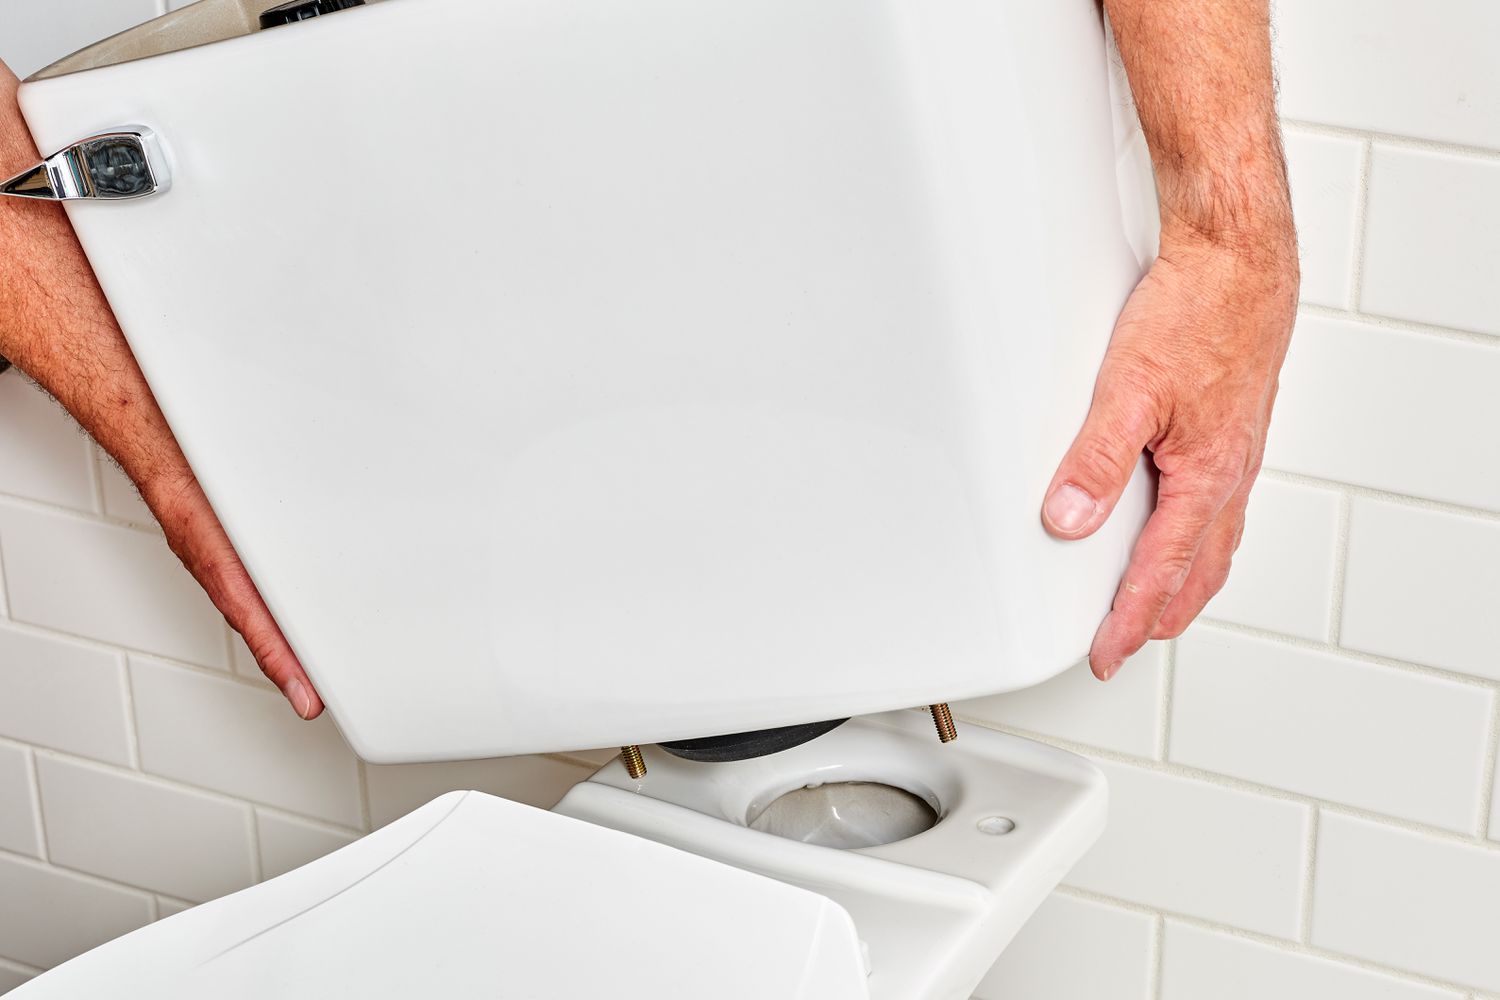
[(112, 166)]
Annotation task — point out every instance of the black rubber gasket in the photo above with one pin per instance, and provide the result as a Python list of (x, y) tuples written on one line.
[(744, 746)]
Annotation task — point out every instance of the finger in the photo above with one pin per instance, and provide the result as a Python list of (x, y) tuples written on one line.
[(1103, 456), (248, 615), (195, 534), (1210, 568), (1159, 568)]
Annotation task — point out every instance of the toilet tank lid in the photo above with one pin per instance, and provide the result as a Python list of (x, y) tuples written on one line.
[(473, 895)]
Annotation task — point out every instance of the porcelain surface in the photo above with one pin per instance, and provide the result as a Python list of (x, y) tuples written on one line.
[(935, 910), (474, 896), (572, 374)]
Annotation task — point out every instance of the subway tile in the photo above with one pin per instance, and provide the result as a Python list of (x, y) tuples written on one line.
[(1123, 715), (166, 906), (1324, 174), (31, 39), (287, 842), (1075, 947), (43, 454), (1199, 849), (64, 695), (1405, 412), (1420, 69), (1495, 808), (1424, 586), (1432, 243), (48, 916), (120, 497), (18, 826), (244, 741), (144, 833), (1408, 901), (1409, 745), (1282, 576), (242, 661), (397, 789), (10, 978), (106, 582), (1195, 961)]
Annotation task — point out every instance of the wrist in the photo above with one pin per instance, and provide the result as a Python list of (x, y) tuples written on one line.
[(1242, 206)]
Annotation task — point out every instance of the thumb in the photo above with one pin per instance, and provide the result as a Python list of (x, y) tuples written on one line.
[(1093, 474)]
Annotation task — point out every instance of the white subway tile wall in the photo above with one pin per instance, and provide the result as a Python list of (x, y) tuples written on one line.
[(1304, 792)]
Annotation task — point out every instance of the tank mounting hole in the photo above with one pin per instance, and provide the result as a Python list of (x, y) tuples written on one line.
[(996, 826)]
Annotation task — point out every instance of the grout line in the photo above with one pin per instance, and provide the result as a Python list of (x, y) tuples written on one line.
[(1385, 496), (326, 826), (1259, 937), (153, 909), (4, 587), (1340, 570), (1355, 655), (73, 513), (132, 722), (1168, 689), (40, 826), (362, 777), (21, 967), (96, 478), (98, 881), (100, 645), (175, 784), (1487, 773), (1361, 226), (1395, 323), (1190, 773), (257, 869), (1309, 878), (1392, 139), (1158, 947)]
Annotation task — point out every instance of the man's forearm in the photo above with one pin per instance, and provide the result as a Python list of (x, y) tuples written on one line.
[(1203, 83), (56, 326)]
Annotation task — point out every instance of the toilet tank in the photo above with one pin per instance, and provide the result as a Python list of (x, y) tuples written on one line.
[(573, 373)]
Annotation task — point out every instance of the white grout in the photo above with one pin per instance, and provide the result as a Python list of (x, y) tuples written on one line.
[(1486, 805), (1280, 944), (1392, 139), (1309, 876), (1361, 227), (1168, 689), (1340, 570)]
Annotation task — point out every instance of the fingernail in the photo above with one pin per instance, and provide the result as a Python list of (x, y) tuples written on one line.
[(300, 697), (1111, 669), (1069, 508)]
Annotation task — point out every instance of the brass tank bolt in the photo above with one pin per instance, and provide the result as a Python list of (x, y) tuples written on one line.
[(635, 764), (943, 718)]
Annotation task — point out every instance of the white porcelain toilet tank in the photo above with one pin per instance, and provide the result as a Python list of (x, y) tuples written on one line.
[(577, 373), (572, 373)]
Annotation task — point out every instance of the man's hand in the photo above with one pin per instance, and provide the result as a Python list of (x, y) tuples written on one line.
[(56, 326), (1191, 372)]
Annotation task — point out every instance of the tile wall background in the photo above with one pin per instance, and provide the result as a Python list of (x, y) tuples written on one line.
[(1303, 786)]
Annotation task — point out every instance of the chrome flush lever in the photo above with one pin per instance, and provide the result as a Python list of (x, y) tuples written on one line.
[(111, 166)]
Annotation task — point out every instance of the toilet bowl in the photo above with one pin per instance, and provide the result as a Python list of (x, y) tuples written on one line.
[(571, 373), (933, 909), (652, 889)]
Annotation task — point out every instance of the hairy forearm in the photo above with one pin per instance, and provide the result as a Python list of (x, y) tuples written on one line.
[(1203, 83), (57, 327)]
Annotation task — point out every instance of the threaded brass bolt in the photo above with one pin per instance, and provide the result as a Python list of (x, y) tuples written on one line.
[(635, 764), (947, 732)]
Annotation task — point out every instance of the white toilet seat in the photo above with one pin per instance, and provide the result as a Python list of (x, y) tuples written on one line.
[(475, 896)]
